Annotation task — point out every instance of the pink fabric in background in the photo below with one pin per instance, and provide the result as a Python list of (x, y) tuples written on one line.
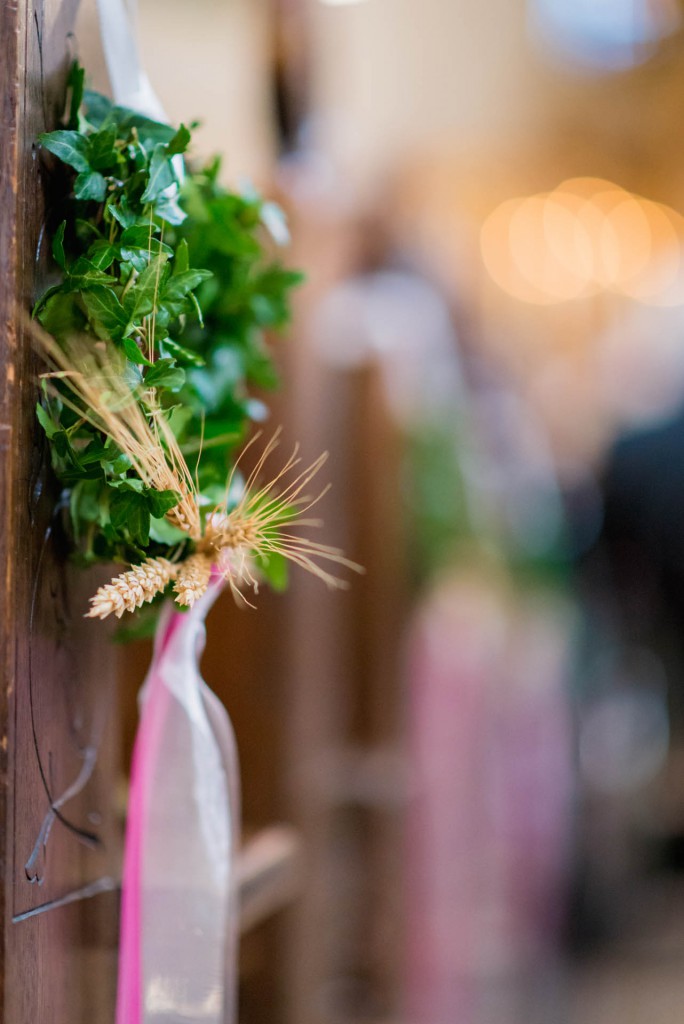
[(490, 815)]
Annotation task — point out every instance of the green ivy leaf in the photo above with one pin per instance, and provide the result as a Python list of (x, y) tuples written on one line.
[(140, 255), (82, 506), (101, 151), (129, 512), (168, 209), (163, 532), (180, 285), (138, 258), (46, 421), (150, 132), (180, 142), (61, 444), (98, 107), (75, 82), (183, 355), (139, 300), (134, 353), (165, 374), (94, 453), (120, 465), (105, 312), (178, 418), (84, 274), (54, 289), (161, 502), (162, 175), (138, 235), (71, 148), (122, 212), (181, 261), (60, 315), (58, 246), (162, 318), (132, 483), (101, 254), (90, 185)]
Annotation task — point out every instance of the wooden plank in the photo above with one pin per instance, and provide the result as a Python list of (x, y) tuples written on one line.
[(57, 748), (269, 874)]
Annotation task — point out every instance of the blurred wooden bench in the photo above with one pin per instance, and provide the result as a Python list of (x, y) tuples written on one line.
[(269, 874)]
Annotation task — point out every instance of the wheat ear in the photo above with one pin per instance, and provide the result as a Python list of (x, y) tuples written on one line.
[(261, 521), (132, 589), (192, 579)]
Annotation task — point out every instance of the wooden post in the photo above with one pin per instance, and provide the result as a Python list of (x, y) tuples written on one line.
[(58, 835)]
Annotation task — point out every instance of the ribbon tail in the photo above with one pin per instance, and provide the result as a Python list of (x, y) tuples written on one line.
[(179, 911)]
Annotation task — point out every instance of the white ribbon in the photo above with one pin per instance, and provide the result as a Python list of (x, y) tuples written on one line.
[(130, 85), (179, 913)]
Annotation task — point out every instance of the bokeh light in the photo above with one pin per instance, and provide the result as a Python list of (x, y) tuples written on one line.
[(585, 237)]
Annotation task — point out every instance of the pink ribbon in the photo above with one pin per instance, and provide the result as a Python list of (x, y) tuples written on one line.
[(178, 920)]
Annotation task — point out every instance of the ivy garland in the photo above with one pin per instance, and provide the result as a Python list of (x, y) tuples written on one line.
[(155, 331)]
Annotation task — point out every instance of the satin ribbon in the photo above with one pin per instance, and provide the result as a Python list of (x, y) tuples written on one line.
[(179, 913), (130, 85)]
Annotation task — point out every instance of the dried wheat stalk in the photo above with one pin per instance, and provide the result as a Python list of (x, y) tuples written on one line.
[(257, 526), (132, 589), (102, 396), (192, 579)]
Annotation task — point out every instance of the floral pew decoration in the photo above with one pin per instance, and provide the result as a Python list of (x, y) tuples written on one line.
[(154, 332)]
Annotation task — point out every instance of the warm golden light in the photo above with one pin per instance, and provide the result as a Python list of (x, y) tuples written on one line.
[(586, 236), (537, 221), (661, 282), (499, 259), (568, 238)]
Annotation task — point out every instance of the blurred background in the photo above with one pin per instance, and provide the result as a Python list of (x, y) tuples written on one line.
[(479, 747)]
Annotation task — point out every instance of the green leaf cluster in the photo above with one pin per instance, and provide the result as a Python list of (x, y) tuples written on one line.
[(225, 353), (178, 274)]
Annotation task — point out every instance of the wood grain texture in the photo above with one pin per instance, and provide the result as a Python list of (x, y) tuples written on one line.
[(59, 841)]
